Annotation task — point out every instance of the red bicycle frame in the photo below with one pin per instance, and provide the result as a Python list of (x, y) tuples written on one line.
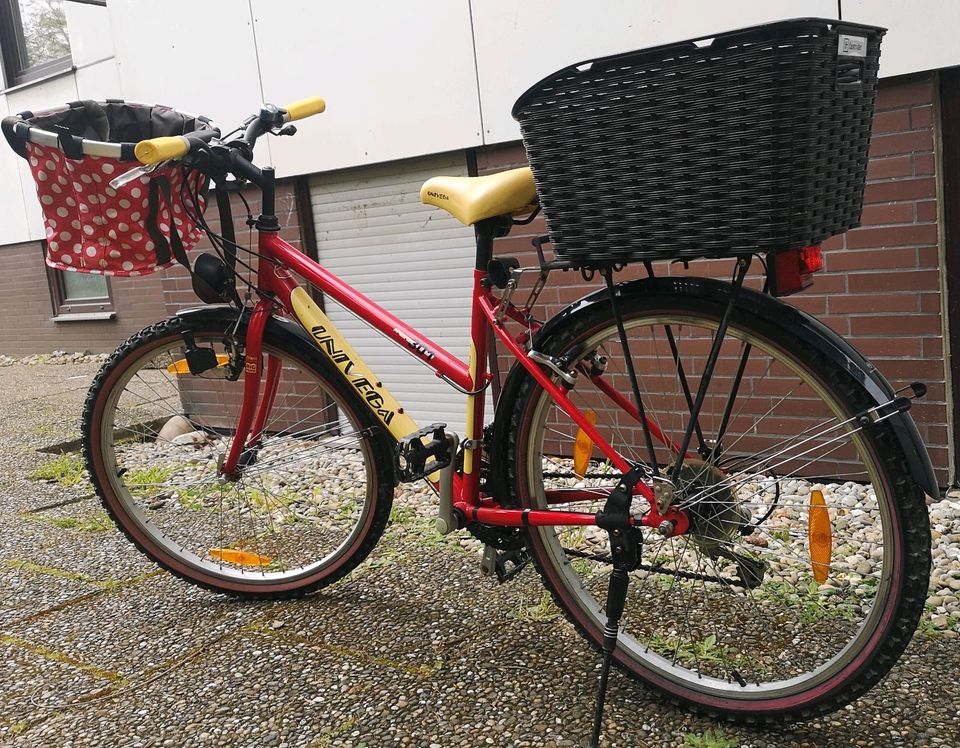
[(283, 294)]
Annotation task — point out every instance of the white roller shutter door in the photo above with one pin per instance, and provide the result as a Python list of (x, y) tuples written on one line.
[(412, 259)]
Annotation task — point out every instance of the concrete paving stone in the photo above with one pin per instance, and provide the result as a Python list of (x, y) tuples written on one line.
[(414, 649), (36, 683), (137, 629), (94, 549), (26, 593)]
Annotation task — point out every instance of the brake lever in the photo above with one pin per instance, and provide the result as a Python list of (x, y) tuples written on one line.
[(135, 173)]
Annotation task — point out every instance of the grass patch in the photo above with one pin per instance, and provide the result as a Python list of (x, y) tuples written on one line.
[(542, 611), (401, 515), (67, 470), (807, 601), (149, 477), (710, 739)]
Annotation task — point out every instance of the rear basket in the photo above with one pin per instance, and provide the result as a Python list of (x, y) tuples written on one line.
[(75, 152), (752, 140)]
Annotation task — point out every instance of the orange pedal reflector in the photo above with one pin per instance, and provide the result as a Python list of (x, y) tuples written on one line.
[(181, 366), (820, 535), (241, 558), (583, 447)]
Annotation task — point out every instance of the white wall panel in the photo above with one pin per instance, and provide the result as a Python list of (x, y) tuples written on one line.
[(922, 34), (398, 78), (414, 260), (521, 41), (13, 217), (91, 38), (100, 81), (47, 95), (194, 55)]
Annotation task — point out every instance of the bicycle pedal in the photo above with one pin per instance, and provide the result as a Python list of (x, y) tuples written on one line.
[(496, 562), (417, 458)]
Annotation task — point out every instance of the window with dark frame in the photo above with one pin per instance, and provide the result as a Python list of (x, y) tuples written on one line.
[(80, 295), (33, 40)]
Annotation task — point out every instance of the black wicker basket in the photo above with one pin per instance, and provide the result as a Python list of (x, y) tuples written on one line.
[(752, 140)]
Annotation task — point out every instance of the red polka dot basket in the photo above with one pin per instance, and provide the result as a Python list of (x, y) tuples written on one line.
[(104, 213)]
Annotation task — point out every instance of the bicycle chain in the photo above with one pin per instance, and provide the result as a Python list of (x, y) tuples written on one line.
[(659, 569)]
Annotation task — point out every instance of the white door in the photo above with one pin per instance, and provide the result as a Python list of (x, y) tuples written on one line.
[(414, 260)]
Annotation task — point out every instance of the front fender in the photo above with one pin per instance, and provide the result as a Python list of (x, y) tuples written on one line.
[(228, 316), (795, 322)]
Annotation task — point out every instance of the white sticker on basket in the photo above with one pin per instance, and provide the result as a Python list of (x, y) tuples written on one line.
[(852, 46)]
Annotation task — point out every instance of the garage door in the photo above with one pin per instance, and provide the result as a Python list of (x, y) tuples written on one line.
[(412, 259)]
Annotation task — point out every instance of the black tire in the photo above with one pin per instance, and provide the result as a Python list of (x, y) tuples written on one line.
[(671, 637), (303, 514)]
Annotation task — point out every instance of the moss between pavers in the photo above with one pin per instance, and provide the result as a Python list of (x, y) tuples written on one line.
[(74, 576), (56, 656), (98, 522)]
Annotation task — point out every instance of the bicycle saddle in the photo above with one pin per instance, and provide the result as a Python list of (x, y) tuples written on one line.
[(471, 199)]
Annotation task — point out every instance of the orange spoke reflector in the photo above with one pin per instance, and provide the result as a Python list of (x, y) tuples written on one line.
[(241, 558), (181, 366), (583, 447), (820, 535)]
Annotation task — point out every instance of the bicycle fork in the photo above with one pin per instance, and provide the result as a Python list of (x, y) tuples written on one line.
[(254, 410)]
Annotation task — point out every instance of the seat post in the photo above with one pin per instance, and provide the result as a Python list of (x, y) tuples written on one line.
[(486, 231)]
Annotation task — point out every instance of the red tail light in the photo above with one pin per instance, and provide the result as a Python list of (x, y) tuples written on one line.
[(790, 271)]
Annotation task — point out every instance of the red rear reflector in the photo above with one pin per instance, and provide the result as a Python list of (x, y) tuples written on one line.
[(811, 260), (789, 271)]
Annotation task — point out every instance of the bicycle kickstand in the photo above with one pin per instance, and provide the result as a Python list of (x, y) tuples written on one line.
[(624, 548), (616, 597)]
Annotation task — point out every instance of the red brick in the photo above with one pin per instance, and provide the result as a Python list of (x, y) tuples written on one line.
[(834, 242), (893, 236), (815, 305), (926, 210), (891, 121), (888, 168), (916, 280), (930, 302), (904, 324), (886, 214), (906, 142), (828, 283), (921, 116), (887, 347), (873, 303), (932, 347), (872, 259), (928, 257), (923, 164), (900, 189), (907, 371), (918, 92)]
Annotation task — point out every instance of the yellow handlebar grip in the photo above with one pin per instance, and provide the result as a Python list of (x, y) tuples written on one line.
[(304, 108), (155, 150)]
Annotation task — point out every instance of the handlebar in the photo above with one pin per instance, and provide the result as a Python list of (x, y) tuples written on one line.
[(156, 150), (304, 108)]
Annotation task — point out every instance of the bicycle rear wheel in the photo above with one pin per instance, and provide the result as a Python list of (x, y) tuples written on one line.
[(805, 570), (305, 510)]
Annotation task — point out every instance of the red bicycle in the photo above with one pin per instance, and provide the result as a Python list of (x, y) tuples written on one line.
[(722, 495), (719, 492)]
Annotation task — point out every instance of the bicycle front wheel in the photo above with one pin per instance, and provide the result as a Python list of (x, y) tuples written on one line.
[(310, 502), (804, 572)]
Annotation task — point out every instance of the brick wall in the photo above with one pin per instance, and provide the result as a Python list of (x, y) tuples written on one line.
[(177, 289), (28, 309), (881, 283)]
